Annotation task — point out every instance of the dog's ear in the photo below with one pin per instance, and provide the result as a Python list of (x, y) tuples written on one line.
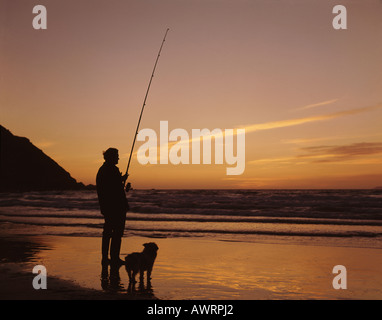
[(145, 245)]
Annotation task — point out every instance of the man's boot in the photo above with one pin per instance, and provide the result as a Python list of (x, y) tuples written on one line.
[(114, 251)]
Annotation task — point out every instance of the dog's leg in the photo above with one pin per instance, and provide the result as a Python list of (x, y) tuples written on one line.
[(149, 273), (133, 276), (141, 275), (148, 278), (129, 274)]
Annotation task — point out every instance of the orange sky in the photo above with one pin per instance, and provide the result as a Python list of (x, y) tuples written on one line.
[(309, 96)]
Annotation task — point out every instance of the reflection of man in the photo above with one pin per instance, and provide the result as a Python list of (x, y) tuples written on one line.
[(113, 205)]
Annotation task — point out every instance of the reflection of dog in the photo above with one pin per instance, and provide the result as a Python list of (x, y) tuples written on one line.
[(141, 261)]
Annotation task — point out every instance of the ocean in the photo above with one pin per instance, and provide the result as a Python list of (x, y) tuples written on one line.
[(330, 217)]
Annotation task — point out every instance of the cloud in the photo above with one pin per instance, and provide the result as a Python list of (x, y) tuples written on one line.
[(342, 181), (302, 141), (268, 160), (276, 125), (354, 153), (284, 123), (337, 137), (299, 121), (324, 103), (340, 153)]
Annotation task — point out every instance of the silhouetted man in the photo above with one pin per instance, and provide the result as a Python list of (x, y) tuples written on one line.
[(113, 204)]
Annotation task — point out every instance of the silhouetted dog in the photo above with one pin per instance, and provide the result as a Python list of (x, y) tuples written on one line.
[(141, 261)]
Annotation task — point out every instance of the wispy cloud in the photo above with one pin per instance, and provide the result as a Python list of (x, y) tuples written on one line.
[(272, 160), (356, 153), (344, 152), (274, 125), (299, 141), (308, 140), (299, 121), (314, 105), (301, 182)]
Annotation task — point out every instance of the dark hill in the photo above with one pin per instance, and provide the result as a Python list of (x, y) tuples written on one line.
[(24, 167)]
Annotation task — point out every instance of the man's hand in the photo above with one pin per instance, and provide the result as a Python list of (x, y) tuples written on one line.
[(124, 178)]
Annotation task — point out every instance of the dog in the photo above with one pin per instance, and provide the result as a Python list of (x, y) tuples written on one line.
[(141, 261)]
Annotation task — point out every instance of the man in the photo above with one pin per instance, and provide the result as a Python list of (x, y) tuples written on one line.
[(113, 205)]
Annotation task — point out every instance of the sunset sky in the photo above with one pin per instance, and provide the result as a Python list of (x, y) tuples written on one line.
[(309, 96)]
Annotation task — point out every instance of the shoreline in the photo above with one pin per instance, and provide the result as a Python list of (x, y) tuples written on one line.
[(188, 269), (17, 258)]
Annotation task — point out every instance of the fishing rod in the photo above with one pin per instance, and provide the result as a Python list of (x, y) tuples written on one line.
[(144, 101)]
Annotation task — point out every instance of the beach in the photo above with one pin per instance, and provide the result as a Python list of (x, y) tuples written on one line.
[(213, 245), (188, 268)]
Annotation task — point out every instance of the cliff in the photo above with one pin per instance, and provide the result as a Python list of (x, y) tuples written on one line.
[(24, 167)]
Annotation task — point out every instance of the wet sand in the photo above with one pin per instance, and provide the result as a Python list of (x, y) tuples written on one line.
[(188, 268)]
